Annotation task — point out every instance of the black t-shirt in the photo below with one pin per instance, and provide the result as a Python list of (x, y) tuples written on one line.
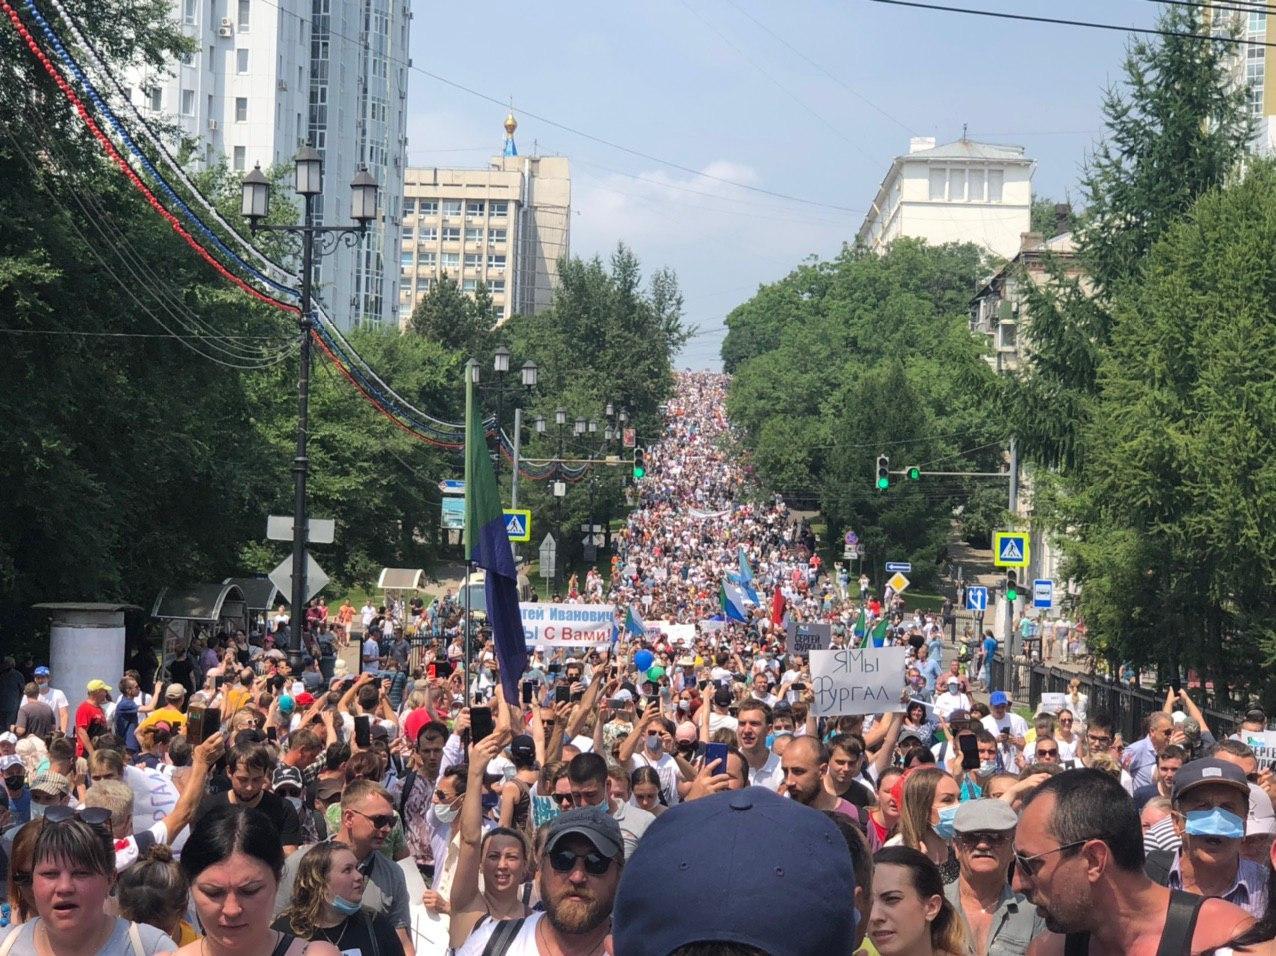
[(859, 794), (362, 934), (279, 810)]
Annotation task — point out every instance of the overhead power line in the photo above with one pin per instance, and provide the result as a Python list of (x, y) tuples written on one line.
[(1059, 21)]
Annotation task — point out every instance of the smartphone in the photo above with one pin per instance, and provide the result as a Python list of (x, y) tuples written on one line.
[(431, 671), (272, 734), (797, 687), (195, 724), (527, 692), (363, 730), (575, 696), (969, 745), (481, 723), (714, 752), (555, 667), (562, 694)]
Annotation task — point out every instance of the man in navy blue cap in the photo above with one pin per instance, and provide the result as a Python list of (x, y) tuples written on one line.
[(746, 868), (579, 869)]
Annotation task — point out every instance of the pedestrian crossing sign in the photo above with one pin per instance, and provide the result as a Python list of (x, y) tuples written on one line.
[(1010, 549), (518, 524)]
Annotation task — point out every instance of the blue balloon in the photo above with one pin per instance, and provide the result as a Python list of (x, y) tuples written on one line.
[(643, 659)]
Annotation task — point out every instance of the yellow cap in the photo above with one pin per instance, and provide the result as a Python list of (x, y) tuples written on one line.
[(97, 684)]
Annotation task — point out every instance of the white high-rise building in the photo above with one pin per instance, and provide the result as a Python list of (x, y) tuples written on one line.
[(272, 75)]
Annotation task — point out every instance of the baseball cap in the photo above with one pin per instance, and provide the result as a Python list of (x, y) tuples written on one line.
[(328, 788), (41, 671), (51, 782), (286, 704), (746, 866), (723, 697), (9, 737), (287, 777), (984, 814), (523, 747), (304, 699), (97, 684), (623, 697), (10, 760), (175, 692), (998, 698), (592, 823), (953, 682), (1208, 770), (686, 732)]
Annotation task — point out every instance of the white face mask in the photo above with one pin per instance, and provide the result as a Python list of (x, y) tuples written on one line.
[(445, 812)]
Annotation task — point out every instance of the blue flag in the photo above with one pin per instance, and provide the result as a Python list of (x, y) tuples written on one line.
[(634, 624), (488, 546), (746, 572)]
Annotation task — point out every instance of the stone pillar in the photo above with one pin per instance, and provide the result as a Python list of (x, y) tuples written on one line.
[(85, 641)]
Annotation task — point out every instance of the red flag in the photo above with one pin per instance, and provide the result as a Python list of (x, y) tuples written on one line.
[(777, 608)]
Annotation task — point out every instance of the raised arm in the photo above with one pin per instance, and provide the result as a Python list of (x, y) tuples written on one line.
[(882, 758), (465, 880), (202, 760)]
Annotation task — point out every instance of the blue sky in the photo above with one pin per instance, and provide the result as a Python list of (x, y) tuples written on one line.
[(807, 98)]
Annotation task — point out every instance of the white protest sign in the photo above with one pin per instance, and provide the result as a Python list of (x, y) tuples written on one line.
[(806, 636), (857, 681), (684, 634), (429, 930), (1052, 703), (710, 625), (567, 625), (1264, 744)]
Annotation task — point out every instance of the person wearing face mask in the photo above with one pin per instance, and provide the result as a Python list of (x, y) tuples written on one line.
[(928, 808), (287, 782), (1210, 802), (54, 698), (652, 743), (15, 789), (327, 905), (48, 789), (444, 822)]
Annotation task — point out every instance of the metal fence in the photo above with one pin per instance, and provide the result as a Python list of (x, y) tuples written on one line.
[(1128, 706)]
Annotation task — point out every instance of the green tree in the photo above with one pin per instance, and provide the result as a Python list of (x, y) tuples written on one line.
[(1050, 218), (460, 322)]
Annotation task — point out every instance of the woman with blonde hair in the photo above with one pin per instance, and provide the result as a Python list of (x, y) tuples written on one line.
[(911, 916), (326, 905), (1076, 701), (927, 810), (34, 754)]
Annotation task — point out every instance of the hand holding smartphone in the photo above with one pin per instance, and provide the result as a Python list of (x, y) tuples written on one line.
[(717, 752), (481, 723)]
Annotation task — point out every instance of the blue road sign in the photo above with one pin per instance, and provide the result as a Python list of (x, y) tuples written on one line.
[(1010, 549), (452, 486), (1043, 592), (903, 567), (976, 598), (518, 524)]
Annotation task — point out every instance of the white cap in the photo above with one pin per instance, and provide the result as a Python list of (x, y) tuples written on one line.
[(9, 737)]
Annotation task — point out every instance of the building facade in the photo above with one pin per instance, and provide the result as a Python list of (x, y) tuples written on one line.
[(506, 226), (1250, 64), (269, 77), (959, 192)]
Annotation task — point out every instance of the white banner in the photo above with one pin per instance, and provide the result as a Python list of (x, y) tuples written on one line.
[(1052, 702), (682, 634), (1264, 744), (567, 625), (857, 681)]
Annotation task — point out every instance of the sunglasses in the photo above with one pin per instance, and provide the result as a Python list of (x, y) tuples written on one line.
[(382, 821), (976, 837), (1047, 753), (564, 861), (1099, 741), (562, 797), (93, 816), (1029, 865), (1065, 720)]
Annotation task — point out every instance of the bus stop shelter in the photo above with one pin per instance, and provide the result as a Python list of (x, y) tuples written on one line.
[(205, 611)]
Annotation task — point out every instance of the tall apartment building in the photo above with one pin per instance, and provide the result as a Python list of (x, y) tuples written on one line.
[(272, 75), (1250, 64), (959, 192), (506, 226)]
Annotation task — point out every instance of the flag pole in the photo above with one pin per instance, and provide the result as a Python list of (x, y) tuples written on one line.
[(471, 367)]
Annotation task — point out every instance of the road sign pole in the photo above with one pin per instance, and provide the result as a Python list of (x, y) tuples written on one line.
[(518, 443)]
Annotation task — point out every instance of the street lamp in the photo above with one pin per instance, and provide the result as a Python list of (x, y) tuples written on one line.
[(579, 427), (315, 240), (501, 360), (560, 417), (530, 373), (540, 424)]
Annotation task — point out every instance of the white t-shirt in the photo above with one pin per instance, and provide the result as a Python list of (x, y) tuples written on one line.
[(1018, 726), (719, 721), (666, 768), (768, 775), (55, 699), (633, 824), (524, 943)]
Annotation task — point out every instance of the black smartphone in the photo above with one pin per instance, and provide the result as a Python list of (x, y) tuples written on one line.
[(575, 696), (272, 734), (562, 694), (527, 692), (797, 687), (714, 752), (969, 745), (212, 723), (555, 668), (363, 730), (195, 724), (481, 723)]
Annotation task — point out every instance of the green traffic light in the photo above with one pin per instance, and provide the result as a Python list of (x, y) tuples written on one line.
[(883, 483), (914, 473), (640, 471), (1012, 594)]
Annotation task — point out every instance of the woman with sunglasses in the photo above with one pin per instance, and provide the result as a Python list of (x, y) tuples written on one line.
[(234, 860), (500, 856), (327, 905), (1067, 738), (72, 874), (21, 865)]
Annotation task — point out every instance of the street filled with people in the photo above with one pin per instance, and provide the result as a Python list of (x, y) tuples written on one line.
[(691, 780)]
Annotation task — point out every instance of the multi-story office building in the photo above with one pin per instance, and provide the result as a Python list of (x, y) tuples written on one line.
[(506, 226), (271, 75), (959, 192), (1251, 63)]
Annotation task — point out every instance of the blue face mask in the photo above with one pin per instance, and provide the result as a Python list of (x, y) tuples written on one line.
[(770, 741), (345, 907), (1215, 823), (947, 818)]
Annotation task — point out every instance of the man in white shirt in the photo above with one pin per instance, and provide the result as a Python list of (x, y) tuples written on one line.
[(951, 699), (762, 689), (1003, 718), (54, 698), (753, 723), (719, 716), (367, 614)]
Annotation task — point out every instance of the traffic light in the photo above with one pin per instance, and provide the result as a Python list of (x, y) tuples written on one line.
[(883, 472), (913, 472), (1012, 586), (640, 464)]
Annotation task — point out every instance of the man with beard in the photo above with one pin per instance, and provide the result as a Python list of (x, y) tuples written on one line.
[(804, 763), (1001, 921), (578, 872), (1079, 860)]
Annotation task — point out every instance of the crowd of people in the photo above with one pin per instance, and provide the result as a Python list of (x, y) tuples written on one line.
[(670, 790)]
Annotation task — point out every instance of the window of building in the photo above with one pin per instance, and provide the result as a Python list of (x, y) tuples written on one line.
[(407, 233), (475, 207), (428, 234), (473, 233), (427, 260), (1007, 335), (155, 98), (241, 60), (469, 285), (243, 16), (451, 207), (938, 185), (451, 260), (1257, 23), (425, 285), (451, 233), (189, 9), (975, 184), (241, 109), (240, 160), (996, 177), (429, 207), (473, 260), (498, 208), (496, 236), (405, 259), (956, 185), (497, 285), (188, 102), (496, 262)]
